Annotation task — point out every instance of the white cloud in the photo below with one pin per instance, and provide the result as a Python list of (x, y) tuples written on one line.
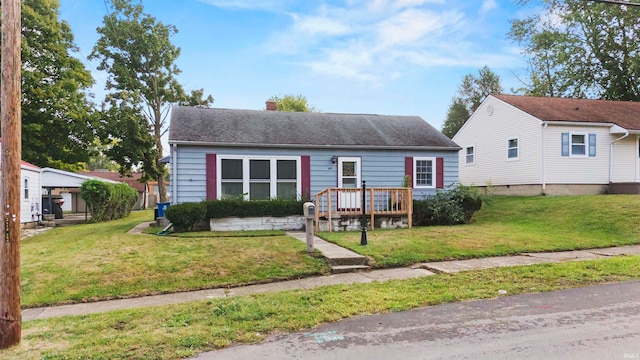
[(318, 25), (412, 25), (378, 40), (488, 5), (272, 5)]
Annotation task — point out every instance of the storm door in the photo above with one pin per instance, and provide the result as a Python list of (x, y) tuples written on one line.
[(349, 177)]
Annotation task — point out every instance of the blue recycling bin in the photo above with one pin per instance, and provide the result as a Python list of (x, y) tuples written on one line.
[(162, 207)]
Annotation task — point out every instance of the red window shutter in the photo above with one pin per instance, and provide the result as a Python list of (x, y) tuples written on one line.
[(210, 163), (305, 165), (439, 173), (408, 169)]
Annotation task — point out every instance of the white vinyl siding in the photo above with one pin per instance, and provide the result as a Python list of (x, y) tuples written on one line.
[(577, 169), (30, 203), (488, 133), (624, 167)]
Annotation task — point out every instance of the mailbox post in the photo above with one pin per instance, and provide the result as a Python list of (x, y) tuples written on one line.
[(309, 211)]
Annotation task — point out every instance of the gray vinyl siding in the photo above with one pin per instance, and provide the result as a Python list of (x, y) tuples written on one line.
[(380, 168)]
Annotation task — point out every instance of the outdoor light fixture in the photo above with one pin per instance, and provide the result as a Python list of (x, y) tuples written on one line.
[(334, 159)]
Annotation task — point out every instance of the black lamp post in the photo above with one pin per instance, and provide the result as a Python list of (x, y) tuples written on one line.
[(363, 221)]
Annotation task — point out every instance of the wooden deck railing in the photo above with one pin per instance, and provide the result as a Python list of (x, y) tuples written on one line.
[(332, 202)]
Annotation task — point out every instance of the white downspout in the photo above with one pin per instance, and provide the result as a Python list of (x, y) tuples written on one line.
[(174, 173), (626, 133), (544, 180)]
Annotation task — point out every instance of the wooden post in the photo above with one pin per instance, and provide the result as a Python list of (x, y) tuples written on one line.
[(10, 317)]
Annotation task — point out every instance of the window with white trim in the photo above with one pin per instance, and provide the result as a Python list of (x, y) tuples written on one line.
[(578, 145), (513, 148), (259, 177), (470, 155), (424, 170), (26, 189)]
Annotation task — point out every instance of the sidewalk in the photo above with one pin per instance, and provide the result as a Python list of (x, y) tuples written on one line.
[(329, 250)]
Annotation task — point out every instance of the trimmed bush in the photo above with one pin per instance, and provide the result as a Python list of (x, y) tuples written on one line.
[(457, 205), (108, 201), (186, 216), (238, 208)]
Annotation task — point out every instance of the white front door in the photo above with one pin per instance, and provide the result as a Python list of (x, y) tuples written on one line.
[(349, 178)]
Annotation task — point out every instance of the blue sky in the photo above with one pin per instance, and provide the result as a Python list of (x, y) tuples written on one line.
[(395, 57)]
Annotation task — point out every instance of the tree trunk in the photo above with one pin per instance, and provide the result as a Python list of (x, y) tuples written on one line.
[(162, 189)]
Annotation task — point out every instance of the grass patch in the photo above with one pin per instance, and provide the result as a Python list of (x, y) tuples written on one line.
[(101, 261), (509, 225), (179, 331)]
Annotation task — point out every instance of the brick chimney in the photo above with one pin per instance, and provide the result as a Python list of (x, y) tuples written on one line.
[(272, 105)]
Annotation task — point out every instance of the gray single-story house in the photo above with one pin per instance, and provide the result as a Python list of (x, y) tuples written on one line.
[(254, 154)]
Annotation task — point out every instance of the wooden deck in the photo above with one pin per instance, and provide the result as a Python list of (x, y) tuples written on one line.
[(333, 202)]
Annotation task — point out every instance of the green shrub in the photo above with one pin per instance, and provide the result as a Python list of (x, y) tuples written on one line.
[(457, 205), (108, 201), (238, 208), (186, 216)]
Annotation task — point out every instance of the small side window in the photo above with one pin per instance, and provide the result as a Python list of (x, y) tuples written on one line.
[(513, 148), (470, 152)]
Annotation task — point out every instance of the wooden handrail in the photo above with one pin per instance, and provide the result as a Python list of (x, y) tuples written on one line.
[(378, 201)]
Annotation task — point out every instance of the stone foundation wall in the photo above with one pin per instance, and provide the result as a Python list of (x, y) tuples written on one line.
[(346, 223), (550, 189), (257, 223)]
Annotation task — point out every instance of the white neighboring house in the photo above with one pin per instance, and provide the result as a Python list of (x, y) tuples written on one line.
[(525, 145), (31, 193)]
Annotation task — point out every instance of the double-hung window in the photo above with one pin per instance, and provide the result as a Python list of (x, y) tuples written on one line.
[(470, 155), (513, 149), (424, 172), (259, 177), (578, 144), (26, 189)]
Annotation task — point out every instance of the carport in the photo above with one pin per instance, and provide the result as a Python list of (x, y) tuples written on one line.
[(59, 179)]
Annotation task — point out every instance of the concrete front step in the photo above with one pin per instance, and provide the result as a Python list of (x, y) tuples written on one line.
[(346, 261), (341, 269)]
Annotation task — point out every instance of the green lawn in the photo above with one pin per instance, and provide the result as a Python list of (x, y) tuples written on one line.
[(101, 261), (184, 330), (509, 225)]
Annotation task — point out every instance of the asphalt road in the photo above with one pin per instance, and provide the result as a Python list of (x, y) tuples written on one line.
[(599, 322)]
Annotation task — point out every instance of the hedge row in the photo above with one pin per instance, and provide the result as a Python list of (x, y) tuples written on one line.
[(108, 201)]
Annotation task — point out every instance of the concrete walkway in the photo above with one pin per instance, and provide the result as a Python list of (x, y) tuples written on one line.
[(330, 251)]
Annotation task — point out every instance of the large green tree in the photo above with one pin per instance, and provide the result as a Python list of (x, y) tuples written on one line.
[(470, 94), (136, 50), (293, 103), (578, 48), (57, 117), (457, 115)]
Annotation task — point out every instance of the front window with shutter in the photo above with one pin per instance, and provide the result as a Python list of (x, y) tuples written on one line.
[(424, 172), (259, 177), (578, 144)]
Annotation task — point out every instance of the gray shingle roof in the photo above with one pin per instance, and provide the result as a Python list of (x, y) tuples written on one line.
[(277, 128)]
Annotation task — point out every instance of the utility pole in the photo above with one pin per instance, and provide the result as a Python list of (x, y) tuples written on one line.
[(10, 317)]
